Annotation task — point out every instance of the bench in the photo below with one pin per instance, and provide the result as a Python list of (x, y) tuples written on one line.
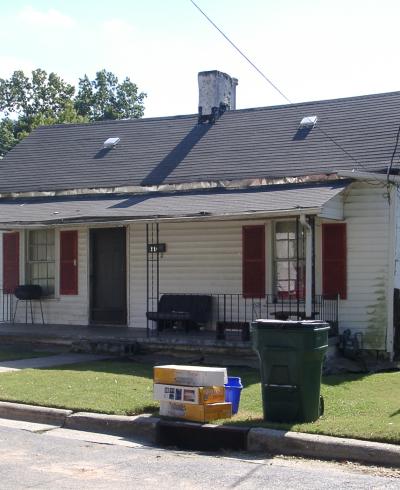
[(187, 310)]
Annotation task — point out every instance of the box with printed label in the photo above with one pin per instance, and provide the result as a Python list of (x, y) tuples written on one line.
[(196, 413), (198, 395), (190, 375)]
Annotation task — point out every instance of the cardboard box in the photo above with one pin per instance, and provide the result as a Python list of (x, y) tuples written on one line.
[(196, 413), (190, 375), (197, 395)]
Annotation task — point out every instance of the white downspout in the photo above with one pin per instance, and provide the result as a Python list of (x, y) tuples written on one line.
[(392, 256), (309, 237)]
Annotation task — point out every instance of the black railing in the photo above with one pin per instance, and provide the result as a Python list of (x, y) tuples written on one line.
[(232, 312), (6, 307)]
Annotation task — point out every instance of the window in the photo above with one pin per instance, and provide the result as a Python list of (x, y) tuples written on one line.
[(40, 259), (289, 260)]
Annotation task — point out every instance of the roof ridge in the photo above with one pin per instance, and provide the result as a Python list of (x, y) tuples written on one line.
[(231, 112)]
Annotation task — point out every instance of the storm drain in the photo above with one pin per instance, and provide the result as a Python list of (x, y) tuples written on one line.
[(195, 437)]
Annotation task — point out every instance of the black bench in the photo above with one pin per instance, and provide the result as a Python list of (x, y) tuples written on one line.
[(186, 310)]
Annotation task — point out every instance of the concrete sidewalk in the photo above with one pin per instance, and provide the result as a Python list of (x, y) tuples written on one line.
[(154, 430), (48, 361)]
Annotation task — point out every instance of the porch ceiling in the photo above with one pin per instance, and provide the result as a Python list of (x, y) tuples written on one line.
[(273, 200)]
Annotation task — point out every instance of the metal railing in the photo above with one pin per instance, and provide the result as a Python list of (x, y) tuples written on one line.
[(233, 311), (6, 306)]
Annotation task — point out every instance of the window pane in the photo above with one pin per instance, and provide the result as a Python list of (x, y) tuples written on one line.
[(282, 249), (40, 266), (282, 270)]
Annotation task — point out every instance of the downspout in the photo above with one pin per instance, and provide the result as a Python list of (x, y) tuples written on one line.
[(392, 249), (309, 240)]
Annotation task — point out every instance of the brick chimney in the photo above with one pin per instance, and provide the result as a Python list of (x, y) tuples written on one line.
[(217, 94)]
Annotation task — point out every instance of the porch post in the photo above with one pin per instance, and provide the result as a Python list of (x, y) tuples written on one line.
[(309, 265)]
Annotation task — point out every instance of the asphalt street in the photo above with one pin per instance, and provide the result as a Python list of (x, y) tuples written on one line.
[(41, 456)]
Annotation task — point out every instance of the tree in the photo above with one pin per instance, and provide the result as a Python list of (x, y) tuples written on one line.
[(40, 94), (105, 98), (42, 99), (7, 136)]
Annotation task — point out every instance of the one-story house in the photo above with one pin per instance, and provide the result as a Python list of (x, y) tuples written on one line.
[(282, 211)]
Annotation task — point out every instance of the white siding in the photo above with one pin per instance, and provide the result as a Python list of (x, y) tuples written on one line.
[(201, 257), (333, 209), (66, 309), (206, 257), (366, 211), (397, 241)]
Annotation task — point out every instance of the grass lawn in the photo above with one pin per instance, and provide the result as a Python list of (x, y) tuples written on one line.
[(356, 405)]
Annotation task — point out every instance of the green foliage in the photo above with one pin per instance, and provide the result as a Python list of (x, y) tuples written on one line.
[(43, 99), (105, 98)]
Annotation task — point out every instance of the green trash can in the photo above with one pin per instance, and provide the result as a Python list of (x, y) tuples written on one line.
[(291, 355)]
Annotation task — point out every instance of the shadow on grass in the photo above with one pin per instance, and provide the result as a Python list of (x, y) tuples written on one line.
[(395, 413), (337, 379)]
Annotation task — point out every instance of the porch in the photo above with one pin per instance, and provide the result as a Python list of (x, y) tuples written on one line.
[(230, 315)]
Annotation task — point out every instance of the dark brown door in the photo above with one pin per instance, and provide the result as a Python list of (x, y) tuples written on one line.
[(108, 276)]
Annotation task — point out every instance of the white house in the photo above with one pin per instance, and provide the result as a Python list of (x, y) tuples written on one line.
[(288, 210)]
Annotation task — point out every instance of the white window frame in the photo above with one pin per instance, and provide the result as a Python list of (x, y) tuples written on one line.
[(45, 256), (287, 295)]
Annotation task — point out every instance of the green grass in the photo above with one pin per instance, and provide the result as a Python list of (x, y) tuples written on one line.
[(356, 405), (112, 387)]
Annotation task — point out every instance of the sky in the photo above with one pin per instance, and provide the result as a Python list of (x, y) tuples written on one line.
[(310, 49)]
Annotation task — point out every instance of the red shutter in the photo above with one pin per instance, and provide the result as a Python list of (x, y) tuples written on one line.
[(10, 261), (253, 261), (69, 262), (334, 260)]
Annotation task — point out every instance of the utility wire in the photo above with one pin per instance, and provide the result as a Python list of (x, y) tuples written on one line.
[(393, 154), (285, 97), (242, 54)]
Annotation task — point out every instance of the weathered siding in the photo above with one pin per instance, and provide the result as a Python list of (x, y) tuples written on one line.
[(366, 211)]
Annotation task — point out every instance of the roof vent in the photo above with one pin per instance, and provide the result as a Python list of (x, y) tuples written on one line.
[(111, 142), (308, 122)]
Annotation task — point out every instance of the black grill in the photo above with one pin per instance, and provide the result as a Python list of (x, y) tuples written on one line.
[(28, 292)]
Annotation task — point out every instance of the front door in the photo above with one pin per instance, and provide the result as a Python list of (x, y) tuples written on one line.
[(108, 276)]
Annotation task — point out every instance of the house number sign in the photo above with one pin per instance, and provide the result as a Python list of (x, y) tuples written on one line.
[(154, 248)]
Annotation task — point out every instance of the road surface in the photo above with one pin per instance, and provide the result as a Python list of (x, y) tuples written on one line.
[(39, 456)]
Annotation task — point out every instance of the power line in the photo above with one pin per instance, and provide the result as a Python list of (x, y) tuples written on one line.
[(393, 154), (242, 54), (280, 92)]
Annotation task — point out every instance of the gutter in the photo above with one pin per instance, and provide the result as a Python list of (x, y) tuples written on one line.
[(118, 221), (357, 175)]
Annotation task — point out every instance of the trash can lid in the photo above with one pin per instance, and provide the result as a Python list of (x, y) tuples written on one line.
[(289, 324)]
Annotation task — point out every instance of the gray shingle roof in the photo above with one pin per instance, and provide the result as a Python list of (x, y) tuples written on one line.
[(249, 143), (218, 202)]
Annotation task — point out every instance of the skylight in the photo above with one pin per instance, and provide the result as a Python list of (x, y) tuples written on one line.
[(111, 142), (308, 122)]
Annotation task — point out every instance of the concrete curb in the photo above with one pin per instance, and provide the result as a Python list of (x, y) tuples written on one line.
[(32, 413), (322, 447), (148, 429), (143, 427)]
